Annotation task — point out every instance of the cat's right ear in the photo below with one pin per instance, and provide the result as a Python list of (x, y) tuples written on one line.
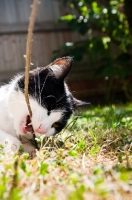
[(61, 67), (77, 103)]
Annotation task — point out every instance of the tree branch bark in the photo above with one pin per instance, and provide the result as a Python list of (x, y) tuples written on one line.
[(28, 58)]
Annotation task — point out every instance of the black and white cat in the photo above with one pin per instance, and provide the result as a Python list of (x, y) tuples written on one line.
[(51, 102)]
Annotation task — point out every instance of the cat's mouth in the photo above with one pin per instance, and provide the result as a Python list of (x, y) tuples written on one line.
[(28, 126)]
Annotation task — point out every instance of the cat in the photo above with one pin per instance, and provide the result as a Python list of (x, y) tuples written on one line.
[(51, 102)]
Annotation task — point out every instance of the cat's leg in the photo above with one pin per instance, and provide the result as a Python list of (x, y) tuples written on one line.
[(10, 143), (26, 144), (28, 147)]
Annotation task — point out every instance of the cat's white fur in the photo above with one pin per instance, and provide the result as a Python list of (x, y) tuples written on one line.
[(13, 112)]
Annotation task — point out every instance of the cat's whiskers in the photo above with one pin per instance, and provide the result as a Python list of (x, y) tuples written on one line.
[(44, 84), (16, 100), (54, 111), (61, 109), (35, 86), (61, 98), (39, 87)]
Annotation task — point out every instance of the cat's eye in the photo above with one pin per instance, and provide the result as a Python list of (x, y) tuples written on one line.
[(55, 125), (50, 102)]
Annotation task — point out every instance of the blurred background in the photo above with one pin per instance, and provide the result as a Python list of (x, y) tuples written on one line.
[(98, 34)]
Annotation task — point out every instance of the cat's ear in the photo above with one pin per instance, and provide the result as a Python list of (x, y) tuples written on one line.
[(77, 103), (61, 67)]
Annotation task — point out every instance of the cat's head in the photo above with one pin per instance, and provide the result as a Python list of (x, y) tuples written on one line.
[(51, 102)]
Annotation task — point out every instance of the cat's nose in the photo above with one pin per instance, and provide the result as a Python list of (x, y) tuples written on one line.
[(41, 130)]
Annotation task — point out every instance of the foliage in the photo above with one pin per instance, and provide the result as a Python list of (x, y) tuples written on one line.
[(93, 162), (107, 38)]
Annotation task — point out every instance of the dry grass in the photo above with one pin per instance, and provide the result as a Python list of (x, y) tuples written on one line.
[(90, 159)]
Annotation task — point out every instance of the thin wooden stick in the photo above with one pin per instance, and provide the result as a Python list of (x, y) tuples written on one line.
[(28, 55)]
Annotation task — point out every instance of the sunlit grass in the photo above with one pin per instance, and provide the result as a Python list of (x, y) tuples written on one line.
[(90, 159)]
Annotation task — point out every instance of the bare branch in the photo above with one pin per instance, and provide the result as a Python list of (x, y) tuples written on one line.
[(28, 56)]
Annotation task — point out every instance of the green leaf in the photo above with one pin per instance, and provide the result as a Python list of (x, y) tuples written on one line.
[(72, 153), (67, 18), (23, 166), (43, 168), (95, 149)]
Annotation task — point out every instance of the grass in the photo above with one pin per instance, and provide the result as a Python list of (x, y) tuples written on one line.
[(90, 160)]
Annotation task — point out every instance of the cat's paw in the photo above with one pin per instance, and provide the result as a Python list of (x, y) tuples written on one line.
[(11, 145)]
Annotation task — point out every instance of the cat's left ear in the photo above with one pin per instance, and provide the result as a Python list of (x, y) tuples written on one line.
[(61, 67), (77, 103)]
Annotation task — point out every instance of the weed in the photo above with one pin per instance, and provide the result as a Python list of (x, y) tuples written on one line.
[(90, 159)]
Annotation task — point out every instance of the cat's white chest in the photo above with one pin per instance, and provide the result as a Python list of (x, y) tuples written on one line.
[(6, 120)]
